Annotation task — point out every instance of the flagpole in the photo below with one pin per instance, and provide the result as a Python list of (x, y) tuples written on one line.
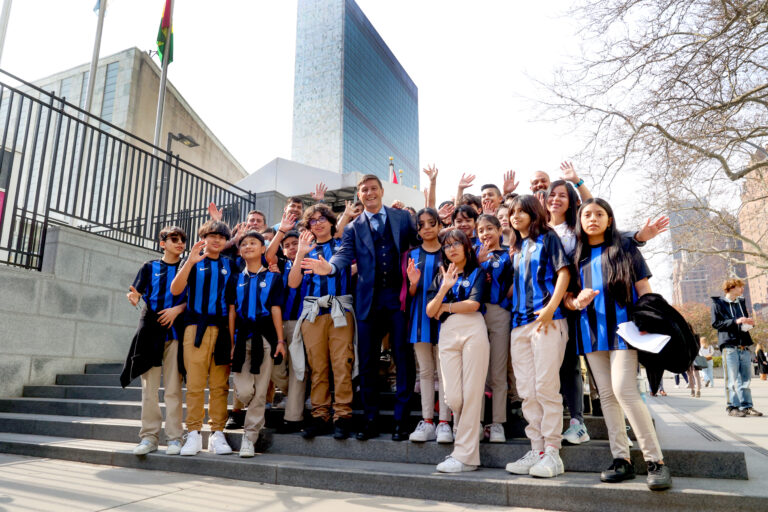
[(95, 58), (4, 15), (163, 80)]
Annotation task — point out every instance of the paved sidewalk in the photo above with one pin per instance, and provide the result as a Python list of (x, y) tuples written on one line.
[(28, 483)]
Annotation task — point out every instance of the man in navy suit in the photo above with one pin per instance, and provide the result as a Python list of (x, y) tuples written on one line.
[(375, 241)]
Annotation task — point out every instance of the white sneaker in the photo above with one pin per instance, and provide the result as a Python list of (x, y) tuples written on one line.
[(173, 448), (424, 432), (217, 444), (550, 464), (144, 447), (497, 433), (193, 445), (444, 433), (451, 465), (576, 432), (523, 465), (246, 447)]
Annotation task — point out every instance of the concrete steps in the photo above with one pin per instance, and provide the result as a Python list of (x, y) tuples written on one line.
[(572, 491)]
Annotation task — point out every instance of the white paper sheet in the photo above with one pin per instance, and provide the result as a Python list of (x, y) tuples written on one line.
[(648, 342)]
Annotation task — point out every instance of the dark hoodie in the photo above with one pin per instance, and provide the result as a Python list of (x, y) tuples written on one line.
[(724, 315)]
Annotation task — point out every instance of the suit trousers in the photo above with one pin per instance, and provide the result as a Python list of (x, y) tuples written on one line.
[(151, 416), (202, 370), (370, 332), (464, 353), (537, 357), (251, 389)]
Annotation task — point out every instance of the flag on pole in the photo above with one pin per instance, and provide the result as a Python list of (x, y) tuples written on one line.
[(165, 34)]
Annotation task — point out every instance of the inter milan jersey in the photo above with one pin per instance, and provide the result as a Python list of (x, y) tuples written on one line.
[(253, 295), (293, 298), (598, 321), (535, 268), (468, 287), (337, 284), (498, 268), (422, 328), (206, 286)]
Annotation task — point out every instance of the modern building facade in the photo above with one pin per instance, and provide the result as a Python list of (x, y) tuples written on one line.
[(354, 103)]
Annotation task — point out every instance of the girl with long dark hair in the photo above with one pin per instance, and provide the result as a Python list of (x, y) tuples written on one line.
[(613, 275), (539, 334), (455, 298)]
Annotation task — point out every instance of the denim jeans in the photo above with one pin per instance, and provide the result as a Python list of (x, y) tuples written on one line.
[(738, 367)]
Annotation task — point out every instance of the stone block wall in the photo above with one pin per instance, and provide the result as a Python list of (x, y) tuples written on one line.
[(72, 313)]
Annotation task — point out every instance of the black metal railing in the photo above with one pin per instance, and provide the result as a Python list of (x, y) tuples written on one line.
[(62, 165)]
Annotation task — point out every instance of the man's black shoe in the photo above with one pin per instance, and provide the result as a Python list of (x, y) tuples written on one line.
[(369, 431), (341, 428), (317, 427), (289, 427), (235, 421), (659, 478), (400, 433), (619, 471)]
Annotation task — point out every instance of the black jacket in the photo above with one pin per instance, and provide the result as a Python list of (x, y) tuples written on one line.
[(724, 315), (651, 313)]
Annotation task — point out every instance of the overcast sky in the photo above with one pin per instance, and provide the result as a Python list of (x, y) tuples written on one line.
[(476, 70)]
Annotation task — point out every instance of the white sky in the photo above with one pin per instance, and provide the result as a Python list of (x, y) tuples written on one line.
[(234, 61)]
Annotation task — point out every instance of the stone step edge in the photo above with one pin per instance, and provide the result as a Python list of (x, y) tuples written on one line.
[(486, 486)]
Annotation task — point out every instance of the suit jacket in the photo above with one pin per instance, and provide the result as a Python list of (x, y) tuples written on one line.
[(357, 246)]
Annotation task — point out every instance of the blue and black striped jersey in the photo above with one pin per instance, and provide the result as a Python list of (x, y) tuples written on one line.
[(421, 327), (598, 321)]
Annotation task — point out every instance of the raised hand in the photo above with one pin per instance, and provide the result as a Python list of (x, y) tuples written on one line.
[(133, 296), (214, 212), (197, 253), (306, 243), (569, 172), (652, 229), (287, 222), (319, 193), (450, 276), (510, 185), (414, 274), (431, 172), (466, 181)]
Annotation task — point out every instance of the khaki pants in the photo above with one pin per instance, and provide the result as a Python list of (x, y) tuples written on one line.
[(497, 321), (251, 389), (428, 357), (202, 370), (323, 342), (151, 416), (615, 373), (537, 358), (464, 352), (284, 377)]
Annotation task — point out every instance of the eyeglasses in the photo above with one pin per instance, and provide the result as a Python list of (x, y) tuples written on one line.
[(319, 220), (452, 245)]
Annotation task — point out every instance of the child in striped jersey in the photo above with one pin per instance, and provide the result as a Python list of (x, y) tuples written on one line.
[(254, 297), (423, 265), (539, 334), (495, 261), (613, 275), (455, 298), (155, 347), (207, 342)]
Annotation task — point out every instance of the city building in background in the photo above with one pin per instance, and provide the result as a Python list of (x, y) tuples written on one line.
[(753, 221), (354, 104)]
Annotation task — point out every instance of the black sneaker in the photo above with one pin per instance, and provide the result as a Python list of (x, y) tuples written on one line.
[(752, 412), (619, 471), (737, 413), (317, 427), (659, 478), (235, 421), (341, 428)]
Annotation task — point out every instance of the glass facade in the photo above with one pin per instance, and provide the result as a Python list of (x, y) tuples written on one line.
[(354, 104)]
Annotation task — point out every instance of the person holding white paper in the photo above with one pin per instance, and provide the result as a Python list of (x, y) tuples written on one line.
[(613, 274)]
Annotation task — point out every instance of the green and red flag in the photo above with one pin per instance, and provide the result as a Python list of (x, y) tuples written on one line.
[(165, 34)]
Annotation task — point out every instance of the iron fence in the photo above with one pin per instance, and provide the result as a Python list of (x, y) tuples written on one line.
[(62, 165)]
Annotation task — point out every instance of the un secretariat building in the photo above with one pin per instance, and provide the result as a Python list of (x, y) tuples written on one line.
[(354, 104)]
